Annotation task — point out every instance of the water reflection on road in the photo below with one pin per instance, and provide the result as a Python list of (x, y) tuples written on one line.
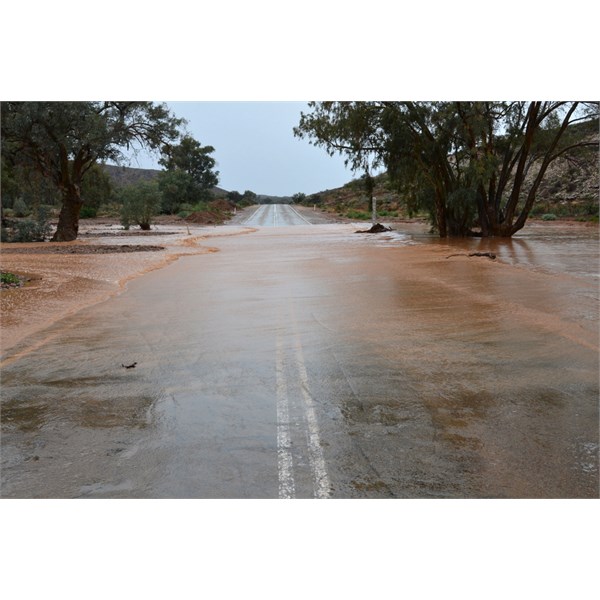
[(315, 362)]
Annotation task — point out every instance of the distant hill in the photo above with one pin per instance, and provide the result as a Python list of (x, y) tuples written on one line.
[(124, 176), (265, 199)]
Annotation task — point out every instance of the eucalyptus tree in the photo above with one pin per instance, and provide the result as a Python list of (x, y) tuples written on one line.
[(189, 176), (64, 140), (475, 166), (507, 150)]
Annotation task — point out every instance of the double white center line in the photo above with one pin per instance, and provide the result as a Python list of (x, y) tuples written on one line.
[(320, 479)]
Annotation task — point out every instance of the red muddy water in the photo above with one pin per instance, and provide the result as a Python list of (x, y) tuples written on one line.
[(306, 361)]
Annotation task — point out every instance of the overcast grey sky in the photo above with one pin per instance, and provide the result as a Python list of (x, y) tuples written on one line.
[(255, 147)]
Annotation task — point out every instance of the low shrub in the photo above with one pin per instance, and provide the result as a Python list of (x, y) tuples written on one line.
[(9, 278), (549, 217), (88, 212), (20, 208), (141, 202), (358, 214), (29, 230)]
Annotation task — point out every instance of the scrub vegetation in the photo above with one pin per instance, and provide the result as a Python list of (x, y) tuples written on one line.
[(473, 168), (54, 155)]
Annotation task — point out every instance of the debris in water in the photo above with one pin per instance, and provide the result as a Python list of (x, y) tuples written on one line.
[(489, 255), (377, 228)]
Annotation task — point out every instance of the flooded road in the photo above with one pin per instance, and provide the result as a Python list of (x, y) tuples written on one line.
[(275, 215), (313, 362)]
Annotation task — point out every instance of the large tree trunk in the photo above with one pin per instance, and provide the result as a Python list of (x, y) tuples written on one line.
[(68, 220)]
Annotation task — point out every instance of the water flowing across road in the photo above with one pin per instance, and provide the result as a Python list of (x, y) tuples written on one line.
[(313, 362)]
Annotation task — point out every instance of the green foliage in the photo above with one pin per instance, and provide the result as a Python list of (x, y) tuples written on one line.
[(246, 199), (358, 214), (249, 198), (88, 212), (189, 175), (9, 278), (63, 140), (549, 217), (299, 197), (8, 182), (30, 230), (86, 132), (177, 188), (20, 208), (110, 209), (469, 164), (96, 188), (140, 203), (193, 158)]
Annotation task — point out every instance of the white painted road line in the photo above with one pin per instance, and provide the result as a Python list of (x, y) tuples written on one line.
[(287, 488), (299, 215), (251, 216), (321, 484)]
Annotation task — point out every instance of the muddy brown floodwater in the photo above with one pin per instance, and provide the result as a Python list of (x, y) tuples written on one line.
[(311, 361)]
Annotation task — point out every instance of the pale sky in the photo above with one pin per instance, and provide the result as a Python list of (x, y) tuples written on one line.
[(255, 147)]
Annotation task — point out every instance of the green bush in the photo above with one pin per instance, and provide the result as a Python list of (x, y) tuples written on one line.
[(20, 208), (549, 217), (110, 209), (199, 207), (88, 212), (140, 203), (9, 278), (358, 214), (29, 230)]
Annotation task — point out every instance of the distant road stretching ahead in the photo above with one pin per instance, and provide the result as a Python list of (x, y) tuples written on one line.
[(275, 215)]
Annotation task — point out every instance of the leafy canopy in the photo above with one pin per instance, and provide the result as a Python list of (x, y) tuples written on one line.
[(66, 138)]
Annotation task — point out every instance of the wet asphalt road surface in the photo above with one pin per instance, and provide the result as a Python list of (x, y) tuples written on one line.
[(310, 362), (275, 215)]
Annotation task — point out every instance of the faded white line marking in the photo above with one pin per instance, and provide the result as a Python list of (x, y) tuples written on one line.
[(321, 484), (294, 210), (251, 216), (287, 488)]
